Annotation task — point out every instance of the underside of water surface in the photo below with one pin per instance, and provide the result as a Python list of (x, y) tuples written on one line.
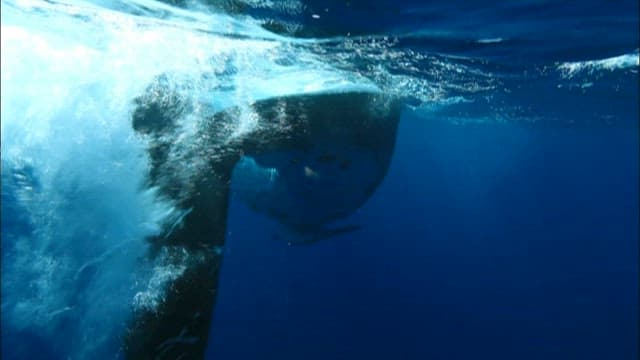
[(385, 179)]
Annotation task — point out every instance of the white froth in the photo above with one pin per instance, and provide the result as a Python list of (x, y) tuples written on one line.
[(70, 73), (626, 61)]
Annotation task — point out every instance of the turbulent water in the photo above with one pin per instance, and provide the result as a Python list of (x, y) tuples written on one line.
[(75, 208)]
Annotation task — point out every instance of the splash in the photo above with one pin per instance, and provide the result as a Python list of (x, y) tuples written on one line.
[(629, 61), (74, 171)]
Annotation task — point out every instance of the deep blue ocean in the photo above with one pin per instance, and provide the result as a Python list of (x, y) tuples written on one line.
[(506, 226)]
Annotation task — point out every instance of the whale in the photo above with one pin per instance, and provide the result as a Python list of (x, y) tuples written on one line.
[(308, 159)]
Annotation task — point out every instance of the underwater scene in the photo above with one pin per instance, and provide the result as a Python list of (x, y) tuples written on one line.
[(319, 179)]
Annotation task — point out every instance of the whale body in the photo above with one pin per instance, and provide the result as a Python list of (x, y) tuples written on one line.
[(321, 154)]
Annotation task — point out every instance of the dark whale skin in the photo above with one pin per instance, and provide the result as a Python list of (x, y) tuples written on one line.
[(178, 328)]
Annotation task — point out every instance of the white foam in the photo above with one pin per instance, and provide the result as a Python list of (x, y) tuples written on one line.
[(490, 40), (70, 72), (626, 61)]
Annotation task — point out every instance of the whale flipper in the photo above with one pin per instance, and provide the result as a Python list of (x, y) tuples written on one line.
[(179, 326)]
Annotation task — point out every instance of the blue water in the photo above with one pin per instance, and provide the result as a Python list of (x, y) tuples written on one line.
[(505, 228), (497, 241)]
